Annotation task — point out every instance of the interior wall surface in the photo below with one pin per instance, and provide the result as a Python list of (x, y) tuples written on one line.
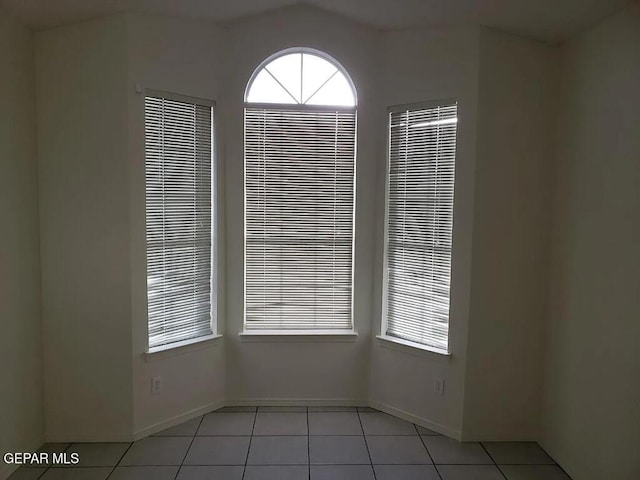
[(21, 396), (91, 79), (296, 369), (184, 57), (416, 66), (591, 415), (84, 231), (513, 183)]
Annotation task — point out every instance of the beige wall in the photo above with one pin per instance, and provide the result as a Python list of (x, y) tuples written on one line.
[(199, 59), (90, 123), (184, 57), (416, 66), (493, 379), (21, 404), (290, 370), (592, 419), (514, 153), (84, 227)]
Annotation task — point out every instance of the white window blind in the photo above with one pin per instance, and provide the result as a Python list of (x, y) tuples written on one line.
[(178, 165), (299, 211), (422, 151)]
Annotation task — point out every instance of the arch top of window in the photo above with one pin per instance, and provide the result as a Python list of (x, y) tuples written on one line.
[(301, 76)]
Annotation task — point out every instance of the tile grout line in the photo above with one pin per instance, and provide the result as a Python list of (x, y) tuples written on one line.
[(253, 427), (300, 435), (117, 464), (119, 460), (334, 464), (190, 444), (428, 452), (553, 460), (267, 464), (493, 460), (366, 444), (89, 467), (48, 467)]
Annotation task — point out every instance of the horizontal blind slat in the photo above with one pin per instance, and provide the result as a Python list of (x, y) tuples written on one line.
[(299, 183), (422, 149), (178, 166)]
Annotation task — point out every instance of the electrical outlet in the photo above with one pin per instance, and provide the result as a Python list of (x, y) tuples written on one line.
[(438, 385), (156, 385)]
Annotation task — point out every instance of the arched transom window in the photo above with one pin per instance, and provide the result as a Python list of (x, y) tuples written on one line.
[(301, 77), (300, 134)]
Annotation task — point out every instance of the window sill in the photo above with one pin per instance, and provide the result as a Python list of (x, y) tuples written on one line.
[(411, 347), (178, 348), (298, 336)]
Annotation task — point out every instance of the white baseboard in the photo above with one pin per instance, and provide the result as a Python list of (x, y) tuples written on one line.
[(286, 402), (497, 437), (241, 402), (296, 402), (178, 419), (251, 402), (423, 422)]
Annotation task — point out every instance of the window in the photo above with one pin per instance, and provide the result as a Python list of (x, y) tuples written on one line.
[(178, 166), (419, 220), (300, 131)]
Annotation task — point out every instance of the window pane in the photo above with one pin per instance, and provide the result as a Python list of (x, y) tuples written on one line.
[(299, 174), (301, 77), (286, 70), (316, 71), (178, 156), (265, 89), (299, 197), (419, 224), (335, 92)]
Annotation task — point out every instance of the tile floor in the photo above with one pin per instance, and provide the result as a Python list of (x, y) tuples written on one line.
[(299, 443)]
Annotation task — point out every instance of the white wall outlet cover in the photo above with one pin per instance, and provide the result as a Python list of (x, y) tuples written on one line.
[(438, 385), (156, 384)]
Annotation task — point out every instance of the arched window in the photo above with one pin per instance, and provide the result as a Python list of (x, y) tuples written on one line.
[(300, 133), (301, 77)]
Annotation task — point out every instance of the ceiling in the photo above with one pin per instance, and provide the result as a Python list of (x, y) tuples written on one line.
[(547, 20)]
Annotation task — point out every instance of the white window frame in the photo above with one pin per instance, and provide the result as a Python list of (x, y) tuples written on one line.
[(148, 92), (300, 335), (310, 51), (383, 336)]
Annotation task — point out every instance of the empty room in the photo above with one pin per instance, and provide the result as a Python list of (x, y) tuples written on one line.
[(320, 240)]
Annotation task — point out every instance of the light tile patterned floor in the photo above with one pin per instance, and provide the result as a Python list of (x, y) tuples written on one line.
[(299, 443)]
